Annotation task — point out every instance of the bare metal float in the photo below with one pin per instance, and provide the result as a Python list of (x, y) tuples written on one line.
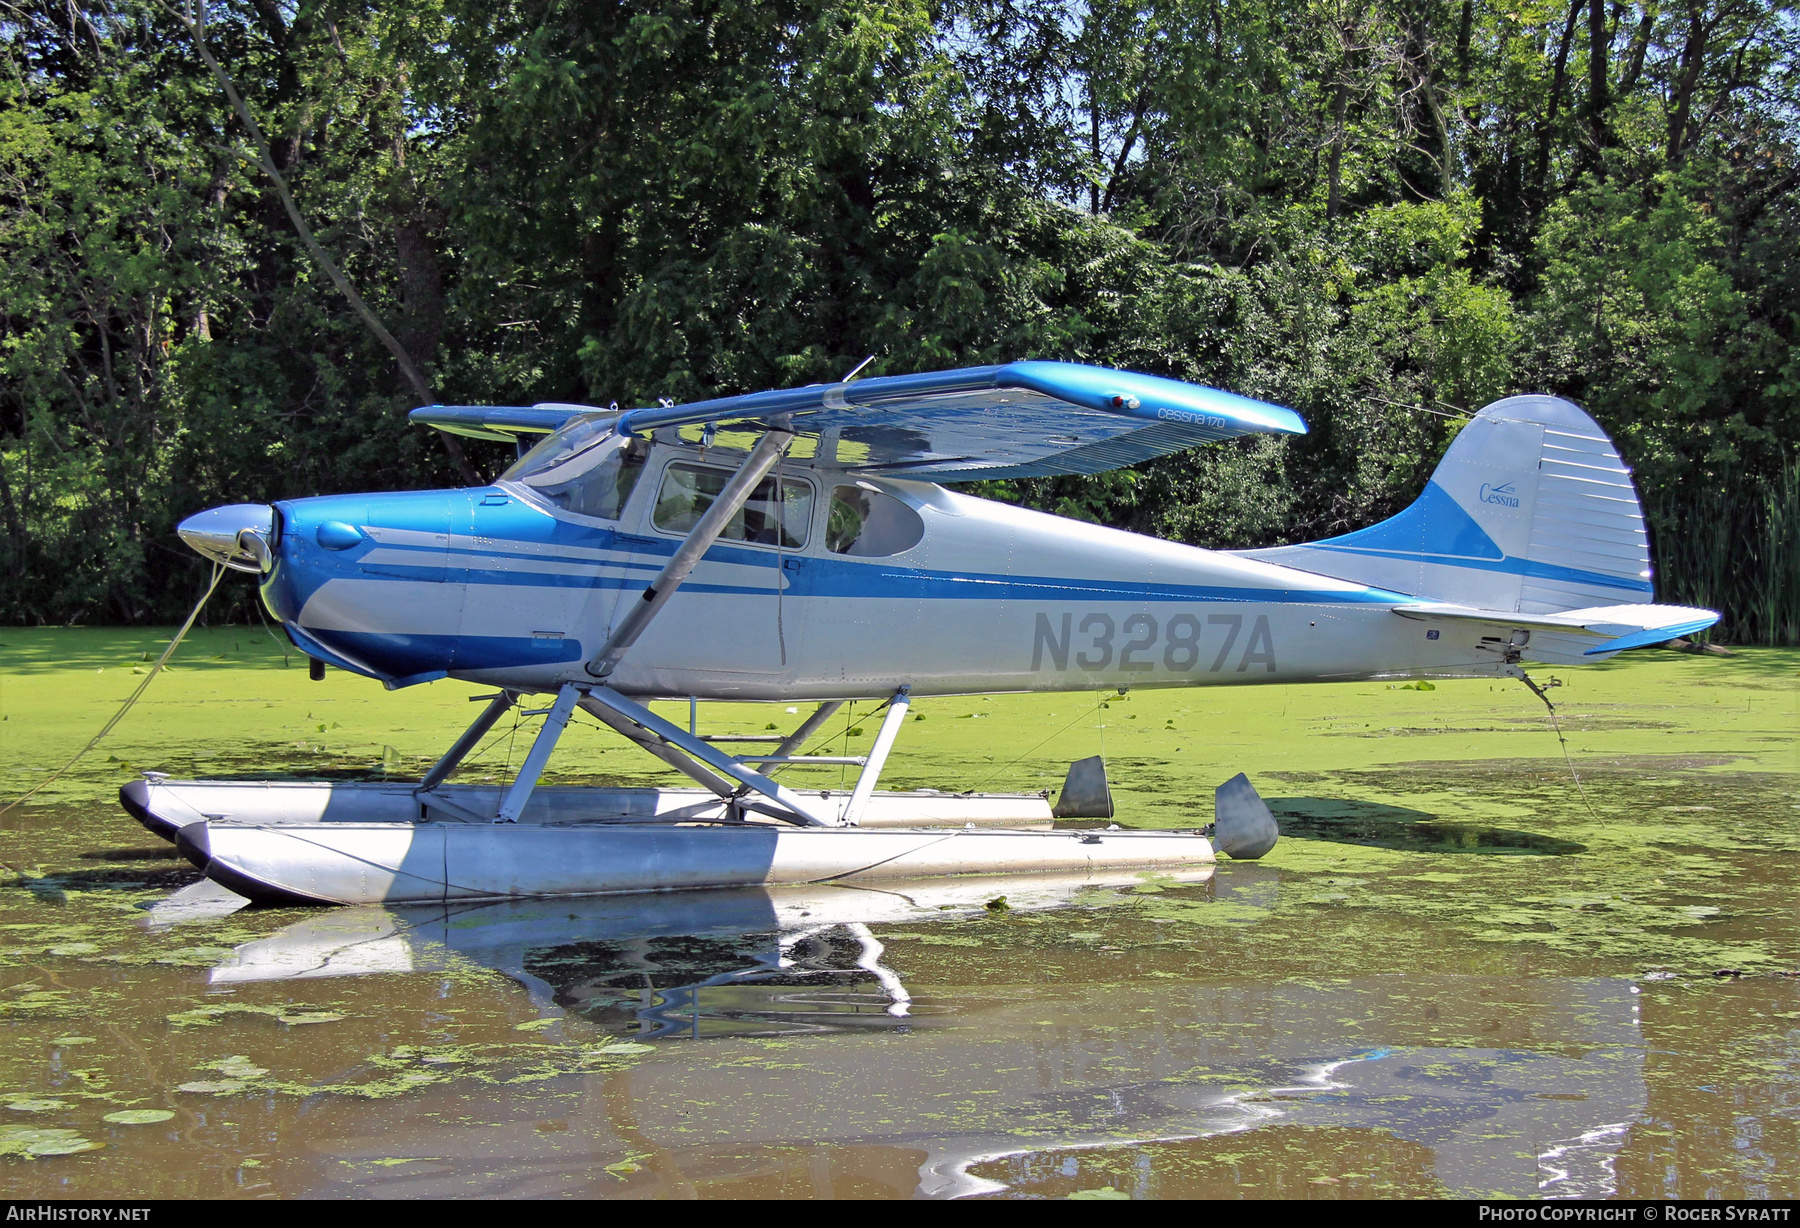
[(322, 842)]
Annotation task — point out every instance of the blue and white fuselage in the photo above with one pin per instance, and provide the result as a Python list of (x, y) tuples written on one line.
[(497, 586), (869, 584)]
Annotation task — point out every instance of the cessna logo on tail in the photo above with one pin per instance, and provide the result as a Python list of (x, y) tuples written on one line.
[(1505, 496)]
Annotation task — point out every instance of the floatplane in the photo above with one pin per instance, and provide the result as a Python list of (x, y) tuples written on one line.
[(806, 546)]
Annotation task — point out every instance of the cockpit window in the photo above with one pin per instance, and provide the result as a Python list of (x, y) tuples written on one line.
[(869, 524), (583, 468), (688, 490)]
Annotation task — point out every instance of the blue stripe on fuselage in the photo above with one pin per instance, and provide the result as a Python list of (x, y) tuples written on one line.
[(822, 577)]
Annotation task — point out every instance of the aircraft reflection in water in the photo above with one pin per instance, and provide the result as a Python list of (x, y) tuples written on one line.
[(664, 961), (1541, 1113)]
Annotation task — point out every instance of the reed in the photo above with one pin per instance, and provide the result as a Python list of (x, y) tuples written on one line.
[(1732, 543)]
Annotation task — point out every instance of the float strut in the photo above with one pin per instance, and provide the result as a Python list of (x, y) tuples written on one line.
[(737, 492), (555, 721), (878, 753), (639, 737), (453, 757), (795, 740), (713, 758)]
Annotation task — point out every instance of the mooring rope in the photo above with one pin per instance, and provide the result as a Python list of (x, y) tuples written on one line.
[(279, 642), (1542, 692), (218, 571), (1079, 716)]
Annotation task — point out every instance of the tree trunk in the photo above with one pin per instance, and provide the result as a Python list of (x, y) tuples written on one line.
[(1464, 29), (1547, 129), (1093, 143), (1693, 58), (196, 27), (1446, 157), (1640, 46), (1334, 167), (1599, 49)]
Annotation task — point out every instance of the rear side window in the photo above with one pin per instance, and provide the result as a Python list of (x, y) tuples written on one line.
[(688, 490), (869, 524)]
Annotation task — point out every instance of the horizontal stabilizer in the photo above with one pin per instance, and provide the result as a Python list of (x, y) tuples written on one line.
[(1616, 627)]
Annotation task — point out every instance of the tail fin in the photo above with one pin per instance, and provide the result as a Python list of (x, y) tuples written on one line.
[(1531, 511)]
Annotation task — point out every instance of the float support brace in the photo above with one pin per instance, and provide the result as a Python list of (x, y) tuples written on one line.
[(795, 740), (715, 759), (878, 753), (453, 757), (637, 736), (555, 721)]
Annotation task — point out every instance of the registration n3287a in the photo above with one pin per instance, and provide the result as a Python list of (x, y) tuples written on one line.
[(1139, 643)]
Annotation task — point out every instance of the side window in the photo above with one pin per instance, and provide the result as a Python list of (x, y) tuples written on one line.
[(593, 482), (869, 524), (688, 490)]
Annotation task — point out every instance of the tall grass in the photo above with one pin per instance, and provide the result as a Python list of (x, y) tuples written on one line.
[(1732, 544)]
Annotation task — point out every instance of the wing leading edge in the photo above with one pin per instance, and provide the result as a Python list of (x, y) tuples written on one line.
[(1024, 419)]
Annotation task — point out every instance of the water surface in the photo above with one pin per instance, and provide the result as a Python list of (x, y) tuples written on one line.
[(1414, 1012)]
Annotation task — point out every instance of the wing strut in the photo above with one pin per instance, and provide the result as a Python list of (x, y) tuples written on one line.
[(737, 492)]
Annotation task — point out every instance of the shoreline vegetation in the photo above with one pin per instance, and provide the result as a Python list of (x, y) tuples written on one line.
[(1384, 217)]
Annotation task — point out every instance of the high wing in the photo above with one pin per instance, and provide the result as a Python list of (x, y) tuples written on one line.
[(1024, 419), (505, 423), (1597, 631)]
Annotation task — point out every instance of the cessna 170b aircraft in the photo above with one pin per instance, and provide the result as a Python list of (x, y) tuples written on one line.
[(804, 545)]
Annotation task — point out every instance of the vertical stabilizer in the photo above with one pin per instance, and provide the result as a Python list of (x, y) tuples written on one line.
[(1531, 510)]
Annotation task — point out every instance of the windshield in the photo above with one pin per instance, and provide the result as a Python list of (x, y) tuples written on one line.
[(583, 468), (576, 437)]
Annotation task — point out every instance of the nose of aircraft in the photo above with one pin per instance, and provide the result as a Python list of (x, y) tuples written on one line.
[(237, 535)]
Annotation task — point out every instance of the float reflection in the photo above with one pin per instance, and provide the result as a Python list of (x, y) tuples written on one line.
[(754, 961)]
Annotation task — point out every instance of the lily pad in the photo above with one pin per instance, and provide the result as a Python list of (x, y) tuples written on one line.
[(214, 1087), (237, 1066), (73, 1040), (310, 1017), (626, 1046), (138, 1117), (34, 1143), (36, 1106)]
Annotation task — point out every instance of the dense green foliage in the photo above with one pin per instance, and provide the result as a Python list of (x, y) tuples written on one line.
[(1383, 215)]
